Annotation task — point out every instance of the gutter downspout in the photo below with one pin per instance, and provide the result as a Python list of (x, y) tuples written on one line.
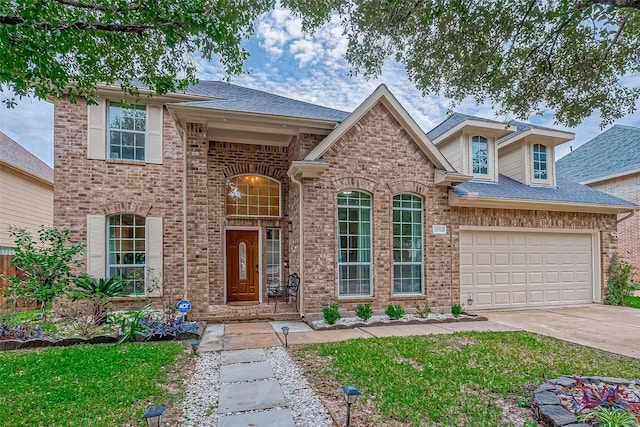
[(184, 212), (301, 242), (624, 218)]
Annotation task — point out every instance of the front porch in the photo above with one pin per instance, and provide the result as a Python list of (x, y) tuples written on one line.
[(242, 313)]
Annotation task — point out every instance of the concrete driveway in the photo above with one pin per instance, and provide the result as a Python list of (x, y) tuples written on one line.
[(614, 329)]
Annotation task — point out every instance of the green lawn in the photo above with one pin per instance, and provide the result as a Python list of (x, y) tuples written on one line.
[(453, 380), (99, 385)]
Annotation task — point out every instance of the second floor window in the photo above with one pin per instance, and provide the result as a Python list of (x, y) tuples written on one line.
[(480, 155), (539, 161), (126, 132)]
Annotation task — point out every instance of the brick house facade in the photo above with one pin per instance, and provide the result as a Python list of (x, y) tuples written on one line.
[(346, 184)]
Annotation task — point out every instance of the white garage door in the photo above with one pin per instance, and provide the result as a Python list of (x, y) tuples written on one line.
[(518, 269)]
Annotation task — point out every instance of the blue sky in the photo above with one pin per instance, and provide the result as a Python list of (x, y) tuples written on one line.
[(287, 62)]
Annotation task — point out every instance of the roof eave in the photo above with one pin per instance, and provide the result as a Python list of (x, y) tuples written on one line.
[(558, 137), (306, 169), (474, 201), (499, 130), (446, 178), (26, 172), (608, 177)]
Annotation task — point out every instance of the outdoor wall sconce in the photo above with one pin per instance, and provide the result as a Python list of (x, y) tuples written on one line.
[(195, 345), (469, 301), (285, 332), (351, 394), (153, 416), (290, 226)]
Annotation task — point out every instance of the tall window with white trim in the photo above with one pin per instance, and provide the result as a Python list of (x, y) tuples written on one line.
[(273, 256), (354, 244), (127, 254), (407, 244), (480, 155), (539, 161)]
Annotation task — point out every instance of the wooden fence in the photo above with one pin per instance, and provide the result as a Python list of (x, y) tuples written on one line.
[(6, 270)]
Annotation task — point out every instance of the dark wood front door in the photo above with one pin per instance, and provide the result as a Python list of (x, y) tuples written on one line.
[(242, 265)]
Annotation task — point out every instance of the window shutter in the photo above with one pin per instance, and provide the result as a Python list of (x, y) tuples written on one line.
[(154, 261), (96, 245), (153, 148), (97, 130)]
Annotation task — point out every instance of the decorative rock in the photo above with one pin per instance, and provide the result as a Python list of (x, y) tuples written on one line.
[(545, 398), (566, 381), (545, 387), (610, 380), (37, 343), (11, 344), (556, 415)]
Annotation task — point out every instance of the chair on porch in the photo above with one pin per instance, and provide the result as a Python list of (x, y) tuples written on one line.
[(275, 290)]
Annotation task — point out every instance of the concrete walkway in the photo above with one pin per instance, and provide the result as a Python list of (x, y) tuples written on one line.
[(609, 328)]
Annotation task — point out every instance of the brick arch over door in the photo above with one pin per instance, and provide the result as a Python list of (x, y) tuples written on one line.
[(253, 169), (138, 208)]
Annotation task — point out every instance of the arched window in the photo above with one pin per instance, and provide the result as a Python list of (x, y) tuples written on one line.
[(539, 161), (354, 243), (407, 244), (252, 195), (480, 155), (127, 254)]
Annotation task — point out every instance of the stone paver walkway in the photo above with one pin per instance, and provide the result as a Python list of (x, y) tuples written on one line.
[(249, 393)]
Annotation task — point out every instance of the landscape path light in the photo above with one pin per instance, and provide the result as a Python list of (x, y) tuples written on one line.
[(195, 344), (285, 332), (351, 394), (153, 416)]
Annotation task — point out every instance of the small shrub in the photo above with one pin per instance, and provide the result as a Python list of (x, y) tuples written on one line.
[(621, 281), (331, 313), (456, 309), (364, 312), (423, 311), (98, 291), (168, 327), (132, 326), (394, 311), (79, 315)]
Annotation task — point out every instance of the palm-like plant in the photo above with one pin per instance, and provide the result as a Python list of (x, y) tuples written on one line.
[(99, 291)]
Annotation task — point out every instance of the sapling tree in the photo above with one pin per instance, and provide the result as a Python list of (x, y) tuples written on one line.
[(43, 264)]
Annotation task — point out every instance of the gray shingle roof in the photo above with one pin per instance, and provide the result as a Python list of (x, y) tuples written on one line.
[(565, 191), (452, 122), (614, 151), (15, 154), (238, 98)]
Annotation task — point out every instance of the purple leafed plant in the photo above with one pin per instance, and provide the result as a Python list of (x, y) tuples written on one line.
[(168, 327), (20, 332)]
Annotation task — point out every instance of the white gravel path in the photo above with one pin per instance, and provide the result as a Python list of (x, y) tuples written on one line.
[(202, 392)]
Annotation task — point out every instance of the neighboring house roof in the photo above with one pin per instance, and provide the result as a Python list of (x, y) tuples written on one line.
[(17, 156), (238, 98), (453, 121), (613, 152), (566, 191)]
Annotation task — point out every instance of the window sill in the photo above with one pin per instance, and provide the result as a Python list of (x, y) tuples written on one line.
[(411, 297), (129, 299), (126, 162), (356, 299)]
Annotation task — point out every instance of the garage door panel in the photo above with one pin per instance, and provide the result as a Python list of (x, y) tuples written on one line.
[(514, 269)]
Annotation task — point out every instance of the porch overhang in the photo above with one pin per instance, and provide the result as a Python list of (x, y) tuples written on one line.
[(246, 127)]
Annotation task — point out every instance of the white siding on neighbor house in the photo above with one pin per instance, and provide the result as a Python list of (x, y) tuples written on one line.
[(511, 162), (24, 201), (453, 150)]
